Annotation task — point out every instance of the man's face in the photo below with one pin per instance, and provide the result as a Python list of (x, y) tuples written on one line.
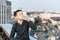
[(19, 15)]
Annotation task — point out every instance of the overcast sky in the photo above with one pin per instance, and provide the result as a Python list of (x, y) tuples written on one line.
[(35, 4)]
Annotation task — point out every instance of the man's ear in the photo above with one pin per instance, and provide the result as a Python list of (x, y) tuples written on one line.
[(15, 17)]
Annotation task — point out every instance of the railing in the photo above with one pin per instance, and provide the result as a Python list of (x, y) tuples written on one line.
[(3, 34)]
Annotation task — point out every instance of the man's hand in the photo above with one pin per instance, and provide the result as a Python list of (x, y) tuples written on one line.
[(27, 18)]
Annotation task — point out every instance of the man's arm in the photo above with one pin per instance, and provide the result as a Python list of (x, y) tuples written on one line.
[(32, 25), (12, 32)]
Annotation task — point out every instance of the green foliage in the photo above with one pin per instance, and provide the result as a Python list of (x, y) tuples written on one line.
[(39, 23), (39, 31)]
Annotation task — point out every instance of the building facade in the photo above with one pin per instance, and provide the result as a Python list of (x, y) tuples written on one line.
[(5, 10), (44, 15)]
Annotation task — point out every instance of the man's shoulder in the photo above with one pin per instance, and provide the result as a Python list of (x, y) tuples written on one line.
[(15, 24), (25, 20)]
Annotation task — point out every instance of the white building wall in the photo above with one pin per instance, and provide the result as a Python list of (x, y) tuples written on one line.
[(55, 15), (3, 12)]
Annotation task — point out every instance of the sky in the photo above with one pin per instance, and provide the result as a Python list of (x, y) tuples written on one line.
[(35, 4)]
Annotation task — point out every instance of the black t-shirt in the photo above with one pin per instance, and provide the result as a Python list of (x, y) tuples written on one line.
[(22, 30)]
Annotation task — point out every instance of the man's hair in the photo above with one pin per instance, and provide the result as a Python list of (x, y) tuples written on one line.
[(15, 13)]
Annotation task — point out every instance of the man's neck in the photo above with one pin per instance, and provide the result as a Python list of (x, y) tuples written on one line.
[(20, 21)]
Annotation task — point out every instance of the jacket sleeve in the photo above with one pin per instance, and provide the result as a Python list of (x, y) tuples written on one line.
[(12, 32), (32, 25)]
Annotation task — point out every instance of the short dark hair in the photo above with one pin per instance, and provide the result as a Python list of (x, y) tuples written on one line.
[(15, 13)]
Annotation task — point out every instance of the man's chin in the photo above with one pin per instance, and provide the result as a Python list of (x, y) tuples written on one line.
[(20, 19)]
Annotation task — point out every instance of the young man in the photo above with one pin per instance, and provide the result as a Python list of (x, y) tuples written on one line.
[(21, 27)]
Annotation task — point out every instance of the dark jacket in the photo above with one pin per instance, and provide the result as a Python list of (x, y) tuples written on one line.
[(22, 30)]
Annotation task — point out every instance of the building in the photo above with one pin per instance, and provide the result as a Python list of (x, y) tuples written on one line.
[(8, 11), (54, 17), (51, 38), (33, 14), (5, 10)]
